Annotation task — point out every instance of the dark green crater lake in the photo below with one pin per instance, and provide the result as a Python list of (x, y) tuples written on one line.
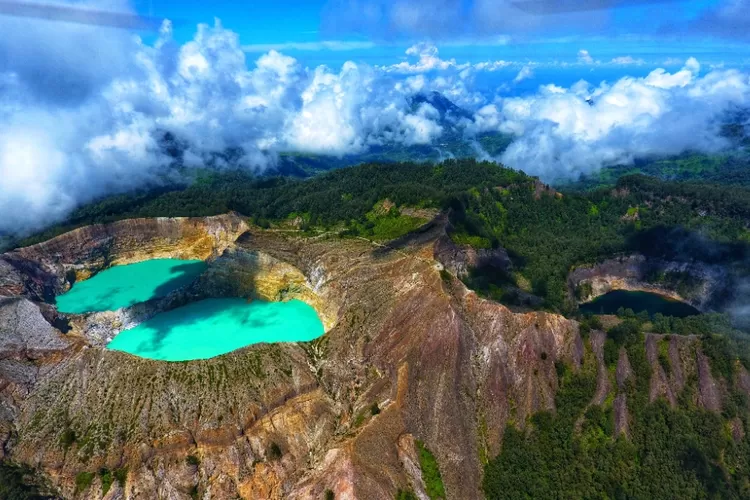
[(653, 303)]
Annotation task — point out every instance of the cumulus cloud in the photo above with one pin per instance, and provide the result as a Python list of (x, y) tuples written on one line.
[(492, 65), (85, 112), (428, 59), (558, 133), (63, 145)]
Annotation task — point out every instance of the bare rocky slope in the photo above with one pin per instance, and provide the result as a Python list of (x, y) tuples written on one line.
[(286, 420)]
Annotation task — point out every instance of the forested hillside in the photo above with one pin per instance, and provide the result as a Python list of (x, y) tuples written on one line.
[(544, 231), (667, 451)]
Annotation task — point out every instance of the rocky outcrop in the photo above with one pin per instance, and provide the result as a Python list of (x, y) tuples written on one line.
[(285, 420), (24, 332), (258, 275), (461, 259)]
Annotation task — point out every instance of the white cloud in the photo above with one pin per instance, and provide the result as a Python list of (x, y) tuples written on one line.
[(204, 92), (584, 57), (627, 60), (525, 73), (660, 78), (492, 65), (428, 59), (559, 134), (83, 111)]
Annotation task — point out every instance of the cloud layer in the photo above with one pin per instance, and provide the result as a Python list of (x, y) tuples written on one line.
[(83, 111), (74, 129), (564, 132)]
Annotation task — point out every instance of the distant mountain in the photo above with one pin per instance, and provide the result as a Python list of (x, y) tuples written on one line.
[(449, 111)]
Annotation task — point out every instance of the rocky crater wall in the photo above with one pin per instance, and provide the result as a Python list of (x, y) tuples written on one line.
[(46, 269), (705, 287)]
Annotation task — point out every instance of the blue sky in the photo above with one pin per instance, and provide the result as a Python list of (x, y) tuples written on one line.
[(256, 22), (297, 27)]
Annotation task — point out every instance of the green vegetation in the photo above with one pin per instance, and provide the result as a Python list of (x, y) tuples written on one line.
[(730, 169), (19, 482), (545, 233), (664, 361), (360, 419), (683, 452), (340, 198), (575, 451), (83, 481), (121, 475), (405, 495), (384, 222), (107, 478), (329, 495), (67, 438), (430, 472)]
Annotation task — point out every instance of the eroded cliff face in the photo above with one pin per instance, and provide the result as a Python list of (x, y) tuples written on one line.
[(291, 420)]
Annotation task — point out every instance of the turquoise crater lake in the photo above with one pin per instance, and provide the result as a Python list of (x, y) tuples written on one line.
[(125, 286), (212, 327)]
